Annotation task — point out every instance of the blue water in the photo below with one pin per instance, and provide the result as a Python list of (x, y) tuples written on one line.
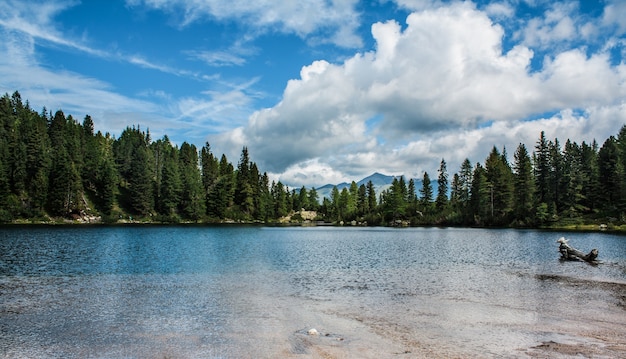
[(195, 291)]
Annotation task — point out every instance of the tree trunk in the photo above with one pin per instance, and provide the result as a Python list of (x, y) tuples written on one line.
[(570, 253)]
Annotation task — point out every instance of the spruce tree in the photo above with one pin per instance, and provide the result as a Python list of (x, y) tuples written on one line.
[(523, 186), (426, 194), (442, 187), (192, 199), (609, 176)]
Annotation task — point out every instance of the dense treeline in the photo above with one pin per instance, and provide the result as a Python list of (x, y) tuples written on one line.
[(52, 165)]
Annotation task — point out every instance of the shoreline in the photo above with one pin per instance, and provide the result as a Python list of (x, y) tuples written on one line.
[(60, 222)]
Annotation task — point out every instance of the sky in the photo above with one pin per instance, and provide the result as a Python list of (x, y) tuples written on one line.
[(327, 91)]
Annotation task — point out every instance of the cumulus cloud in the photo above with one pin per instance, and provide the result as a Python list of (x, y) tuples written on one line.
[(334, 21), (442, 87)]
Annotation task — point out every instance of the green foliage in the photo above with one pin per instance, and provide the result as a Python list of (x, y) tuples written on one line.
[(523, 186), (52, 165)]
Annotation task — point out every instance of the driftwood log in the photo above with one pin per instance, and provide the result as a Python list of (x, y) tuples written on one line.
[(570, 253)]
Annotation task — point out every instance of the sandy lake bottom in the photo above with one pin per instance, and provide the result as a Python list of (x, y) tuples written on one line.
[(370, 295)]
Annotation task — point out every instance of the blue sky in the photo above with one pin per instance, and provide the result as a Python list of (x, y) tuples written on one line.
[(325, 91)]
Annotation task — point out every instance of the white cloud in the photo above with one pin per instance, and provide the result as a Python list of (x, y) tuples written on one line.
[(36, 20), (442, 88), (499, 10), (614, 15), (23, 25), (218, 58), (312, 173), (334, 21)]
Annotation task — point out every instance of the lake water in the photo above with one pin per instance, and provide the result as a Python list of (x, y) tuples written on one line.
[(254, 292)]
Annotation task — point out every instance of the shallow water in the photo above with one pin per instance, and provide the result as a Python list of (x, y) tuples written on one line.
[(238, 292)]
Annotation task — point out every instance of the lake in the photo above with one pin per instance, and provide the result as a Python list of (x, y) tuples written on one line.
[(255, 292)]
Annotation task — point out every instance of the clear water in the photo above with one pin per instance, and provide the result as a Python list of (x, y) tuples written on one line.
[(248, 292)]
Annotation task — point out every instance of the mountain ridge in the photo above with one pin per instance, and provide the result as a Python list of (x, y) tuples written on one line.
[(380, 181)]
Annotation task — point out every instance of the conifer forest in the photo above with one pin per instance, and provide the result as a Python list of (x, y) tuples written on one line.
[(55, 168)]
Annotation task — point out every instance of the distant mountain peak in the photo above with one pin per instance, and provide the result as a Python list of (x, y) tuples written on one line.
[(379, 180)]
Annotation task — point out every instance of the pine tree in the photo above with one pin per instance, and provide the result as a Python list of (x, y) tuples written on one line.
[(192, 199), (480, 198), (280, 200), (573, 181), (106, 184), (499, 177), (426, 194), (361, 202), (210, 172), (140, 182), (243, 187), (442, 187), (65, 189), (542, 169), (372, 203), (335, 210), (590, 175), (557, 184), (266, 202), (220, 197), (621, 151), (523, 185), (609, 175), (168, 183)]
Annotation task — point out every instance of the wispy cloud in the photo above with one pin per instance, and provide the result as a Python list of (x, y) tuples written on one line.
[(36, 20), (23, 25), (217, 58), (333, 22)]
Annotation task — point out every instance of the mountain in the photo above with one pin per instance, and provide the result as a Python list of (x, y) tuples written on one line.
[(380, 181), (377, 179)]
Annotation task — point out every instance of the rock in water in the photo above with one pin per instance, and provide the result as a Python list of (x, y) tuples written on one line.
[(313, 331)]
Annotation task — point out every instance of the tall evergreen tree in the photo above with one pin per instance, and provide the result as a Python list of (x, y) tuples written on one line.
[(140, 181), (106, 184), (372, 203), (442, 187), (573, 178), (280, 200), (500, 179), (590, 175), (335, 210), (361, 202), (542, 169), (621, 151), (35, 141), (65, 188), (303, 199), (169, 185), (609, 175), (210, 172), (426, 194), (266, 202), (313, 199), (523, 185), (220, 197), (480, 198), (192, 198), (557, 177), (243, 188)]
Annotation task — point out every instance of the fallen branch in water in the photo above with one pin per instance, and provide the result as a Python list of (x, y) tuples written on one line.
[(571, 253)]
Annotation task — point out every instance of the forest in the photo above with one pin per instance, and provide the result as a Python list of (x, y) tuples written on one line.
[(56, 169)]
